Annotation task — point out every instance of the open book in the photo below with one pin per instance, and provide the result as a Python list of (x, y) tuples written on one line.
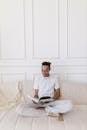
[(45, 99)]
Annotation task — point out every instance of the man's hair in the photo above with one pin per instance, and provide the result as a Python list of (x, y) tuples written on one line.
[(46, 63)]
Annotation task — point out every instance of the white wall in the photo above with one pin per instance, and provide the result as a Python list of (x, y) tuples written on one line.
[(32, 31)]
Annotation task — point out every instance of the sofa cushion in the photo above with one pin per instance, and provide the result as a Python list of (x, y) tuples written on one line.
[(77, 118), (77, 92)]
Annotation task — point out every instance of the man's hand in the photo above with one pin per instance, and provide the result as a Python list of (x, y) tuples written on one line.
[(35, 96), (36, 93), (56, 94)]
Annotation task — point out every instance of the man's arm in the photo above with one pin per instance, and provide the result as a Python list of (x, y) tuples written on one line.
[(36, 93), (56, 93)]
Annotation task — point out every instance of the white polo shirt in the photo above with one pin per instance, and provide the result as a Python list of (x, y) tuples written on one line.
[(46, 85)]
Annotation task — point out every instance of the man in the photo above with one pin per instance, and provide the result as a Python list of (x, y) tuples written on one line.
[(47, 85)]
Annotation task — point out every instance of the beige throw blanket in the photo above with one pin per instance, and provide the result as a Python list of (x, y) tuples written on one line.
[(10, 94)]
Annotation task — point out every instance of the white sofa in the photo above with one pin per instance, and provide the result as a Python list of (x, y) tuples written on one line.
[(74, 120)]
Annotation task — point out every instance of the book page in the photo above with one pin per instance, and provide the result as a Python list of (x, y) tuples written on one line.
[(33, 99)]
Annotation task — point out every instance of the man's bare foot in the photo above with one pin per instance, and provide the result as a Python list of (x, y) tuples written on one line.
[(60, 117), (53, 114)]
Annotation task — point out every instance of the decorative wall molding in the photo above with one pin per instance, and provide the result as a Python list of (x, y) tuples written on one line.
[(78, 77), (29, 62), (3, 58), (68, 35), (33, 45), (12, 76)]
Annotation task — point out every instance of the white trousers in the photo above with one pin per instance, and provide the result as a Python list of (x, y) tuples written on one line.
[(58, 106)]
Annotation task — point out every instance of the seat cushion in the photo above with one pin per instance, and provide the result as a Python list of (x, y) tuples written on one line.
[(77, 92), (77, 118)]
